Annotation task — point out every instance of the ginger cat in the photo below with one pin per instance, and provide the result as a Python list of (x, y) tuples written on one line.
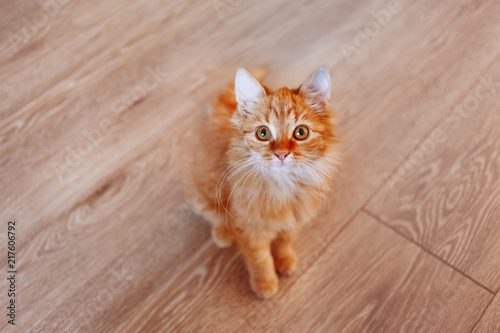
[(267, 158)]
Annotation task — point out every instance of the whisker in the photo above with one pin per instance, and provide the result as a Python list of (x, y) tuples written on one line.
[(336, 179), (225, 177), (259, 167), (318, 178), (235, 186)]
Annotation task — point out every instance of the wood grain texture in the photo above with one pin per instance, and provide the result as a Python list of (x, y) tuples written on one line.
[(381, 152), (97, 110), (422, 77), (490, 322), (446, 196), (404, 289)]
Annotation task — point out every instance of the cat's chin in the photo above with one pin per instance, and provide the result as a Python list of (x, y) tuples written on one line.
[(281, 169), (292, 172), (282, 166)]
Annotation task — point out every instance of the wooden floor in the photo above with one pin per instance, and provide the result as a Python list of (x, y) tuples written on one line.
[(99, 101)]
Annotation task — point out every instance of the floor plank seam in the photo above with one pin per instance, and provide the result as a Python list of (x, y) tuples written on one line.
[(96, 165), (482, 314), (334, 238), (384, 223)]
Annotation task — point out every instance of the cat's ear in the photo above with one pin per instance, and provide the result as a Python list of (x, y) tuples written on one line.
[(317, 86), (247, 89)]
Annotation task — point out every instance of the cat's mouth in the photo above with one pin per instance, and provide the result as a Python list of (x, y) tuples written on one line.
[(283, 164)]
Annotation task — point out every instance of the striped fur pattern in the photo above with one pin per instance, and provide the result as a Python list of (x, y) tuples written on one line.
[(258, 193)]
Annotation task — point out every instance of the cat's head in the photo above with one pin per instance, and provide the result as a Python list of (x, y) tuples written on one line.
[(284, 129)]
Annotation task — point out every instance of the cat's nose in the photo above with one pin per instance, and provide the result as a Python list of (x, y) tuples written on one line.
[(282, 155)]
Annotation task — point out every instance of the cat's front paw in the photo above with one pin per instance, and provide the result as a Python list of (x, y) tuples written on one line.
[(285, 265), (265, 288)]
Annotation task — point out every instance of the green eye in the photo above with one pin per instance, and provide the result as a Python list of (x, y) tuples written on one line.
[(301, 132), (263, 133)]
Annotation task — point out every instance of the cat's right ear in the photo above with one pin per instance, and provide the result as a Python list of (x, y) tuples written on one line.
[(247, 89), (317, 86)]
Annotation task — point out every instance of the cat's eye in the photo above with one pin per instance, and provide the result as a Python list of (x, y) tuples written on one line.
[(301, 132), (263, 133)]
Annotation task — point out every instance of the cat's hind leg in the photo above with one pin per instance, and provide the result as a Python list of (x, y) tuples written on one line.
[(203, 205), (221, 233), (222, 236)]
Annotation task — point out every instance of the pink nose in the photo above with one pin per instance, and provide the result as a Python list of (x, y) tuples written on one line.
[(282, 155)]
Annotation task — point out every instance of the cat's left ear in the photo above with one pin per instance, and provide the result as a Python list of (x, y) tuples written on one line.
[(247, 89), (317, 86)]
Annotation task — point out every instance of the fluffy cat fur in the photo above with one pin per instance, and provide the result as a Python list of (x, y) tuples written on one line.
[(258, 193)]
